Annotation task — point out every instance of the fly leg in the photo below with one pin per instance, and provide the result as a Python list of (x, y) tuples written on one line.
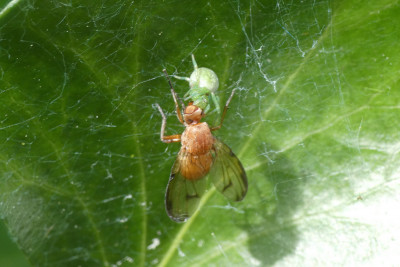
[(169, 138), (175, 96), (224, 112)]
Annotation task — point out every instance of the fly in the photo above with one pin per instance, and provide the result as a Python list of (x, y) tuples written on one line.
[(201, 154)]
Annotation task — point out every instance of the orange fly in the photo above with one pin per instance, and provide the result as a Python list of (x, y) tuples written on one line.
[(200, 154)]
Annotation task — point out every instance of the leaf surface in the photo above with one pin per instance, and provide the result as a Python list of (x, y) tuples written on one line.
[(314, 123)]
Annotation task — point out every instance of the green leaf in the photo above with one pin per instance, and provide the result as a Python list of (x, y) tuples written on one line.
[(314, 122)]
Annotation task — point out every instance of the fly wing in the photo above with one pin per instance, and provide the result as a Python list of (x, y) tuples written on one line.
[(183, 196), (227, 173)]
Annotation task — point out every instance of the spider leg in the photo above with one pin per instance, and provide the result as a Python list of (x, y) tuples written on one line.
[(194, 63), (181, 78), (215, 99)]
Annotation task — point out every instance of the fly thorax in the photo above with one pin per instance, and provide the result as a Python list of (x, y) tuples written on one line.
[(197, 139)]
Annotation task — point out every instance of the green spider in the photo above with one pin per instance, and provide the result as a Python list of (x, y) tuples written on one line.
[(203, 84)]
